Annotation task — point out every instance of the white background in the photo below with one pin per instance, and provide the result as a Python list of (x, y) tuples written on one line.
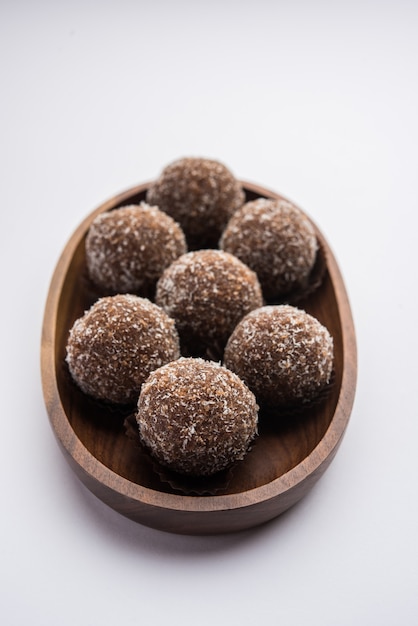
[(317, 100)]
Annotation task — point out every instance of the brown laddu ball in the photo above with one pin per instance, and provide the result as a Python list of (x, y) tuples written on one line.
[(207, 292), (201, 195), (128, 249), (196, 417), (282, 353), (116, 344), (276, 240)]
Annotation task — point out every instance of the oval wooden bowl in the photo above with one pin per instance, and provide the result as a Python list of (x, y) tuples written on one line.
[(287, 459)]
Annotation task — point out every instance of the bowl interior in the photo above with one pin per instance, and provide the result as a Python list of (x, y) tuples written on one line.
[(284, 440)]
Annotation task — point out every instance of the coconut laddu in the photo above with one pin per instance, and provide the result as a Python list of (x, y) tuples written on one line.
[(207, 292), (282, 353), (116, 344), (196, 417), (201, 195), (128, 249), (276, 240)]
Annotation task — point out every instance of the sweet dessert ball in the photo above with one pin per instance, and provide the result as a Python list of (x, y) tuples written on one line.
[(207, 292), (196, 417), (127, 249), (276, 240), (282, 353), (200, 194), (116, 344)]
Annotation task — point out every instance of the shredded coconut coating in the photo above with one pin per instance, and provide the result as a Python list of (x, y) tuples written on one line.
[(200, 194), (116, 344), (282, 353), (128, 249), (276, 240), (196, 417), (207, 292)]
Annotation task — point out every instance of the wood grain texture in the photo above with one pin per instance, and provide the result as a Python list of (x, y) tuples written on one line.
[(289, 456)]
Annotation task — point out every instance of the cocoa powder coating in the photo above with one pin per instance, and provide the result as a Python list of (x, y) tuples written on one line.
[(276, 240), (283, 354), (116, 344), (201, 194), (128, 249), (196, 417)]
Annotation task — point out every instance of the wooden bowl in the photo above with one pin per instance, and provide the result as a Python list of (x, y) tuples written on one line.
[(287, 459)]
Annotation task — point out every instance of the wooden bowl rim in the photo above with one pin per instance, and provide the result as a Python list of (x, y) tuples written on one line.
[(93, 468)]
